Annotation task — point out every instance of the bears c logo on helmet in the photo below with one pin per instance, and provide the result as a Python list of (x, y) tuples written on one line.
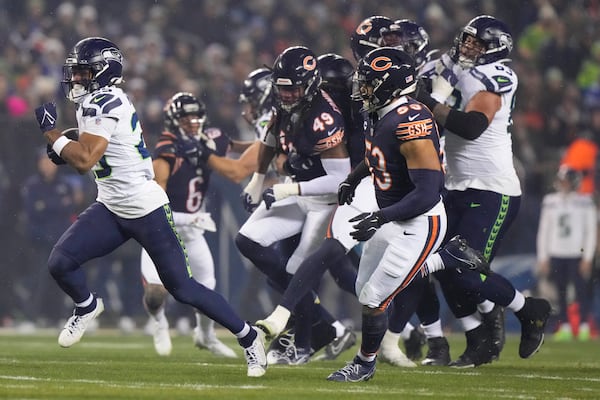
[(309, 63), (381, 63)]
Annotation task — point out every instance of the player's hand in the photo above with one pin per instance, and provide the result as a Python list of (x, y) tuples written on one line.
[(195, 151), (71, 133), (46, 116), (269, 197), (346, 191), (251, 195), (443, 82), (368, 223), (422, 95), (279, 191)]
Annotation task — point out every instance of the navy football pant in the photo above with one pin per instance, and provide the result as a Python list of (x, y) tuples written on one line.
[(98, 232)]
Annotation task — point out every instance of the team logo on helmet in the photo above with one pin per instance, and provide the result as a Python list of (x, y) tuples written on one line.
[(364, 27), (309, 63), (381, 63)]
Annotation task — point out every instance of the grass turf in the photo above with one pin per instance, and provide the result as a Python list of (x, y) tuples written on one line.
[(107, 365)]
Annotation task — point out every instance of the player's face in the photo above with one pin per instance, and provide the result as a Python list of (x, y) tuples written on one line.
[(81, 74), (391, 40), (190, 124), (289, 95), (471, 48)]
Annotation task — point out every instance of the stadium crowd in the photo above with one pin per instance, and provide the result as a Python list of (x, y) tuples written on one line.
[(209, 47)]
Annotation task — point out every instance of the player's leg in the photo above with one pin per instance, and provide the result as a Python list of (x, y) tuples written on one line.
[(262, 230), (95, 233), (154, 299), (203, 271), (391, 260), (158, 236)]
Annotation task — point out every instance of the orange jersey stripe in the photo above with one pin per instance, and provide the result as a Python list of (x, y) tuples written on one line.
[(434, 234)]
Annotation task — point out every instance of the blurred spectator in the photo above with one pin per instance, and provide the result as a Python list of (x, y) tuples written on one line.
[(50, 202), (566, 245)]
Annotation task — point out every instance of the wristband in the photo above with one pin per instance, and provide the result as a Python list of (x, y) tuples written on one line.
[(60, 143)]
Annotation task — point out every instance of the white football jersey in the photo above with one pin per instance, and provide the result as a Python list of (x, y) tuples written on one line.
[(124, 175), (485, 163), (567, 227)]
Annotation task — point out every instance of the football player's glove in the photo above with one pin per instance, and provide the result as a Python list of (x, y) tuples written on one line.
[(195, 151), (46, 116), (252, 192), (279, 191), (71, 133), (368, 223)]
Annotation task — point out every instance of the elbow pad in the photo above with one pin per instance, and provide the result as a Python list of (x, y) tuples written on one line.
[(468, 125)]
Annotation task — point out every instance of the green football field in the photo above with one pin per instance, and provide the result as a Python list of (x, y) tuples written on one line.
[(107, 365)]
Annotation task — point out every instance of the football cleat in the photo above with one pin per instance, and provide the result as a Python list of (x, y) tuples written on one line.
[(77, 324), (479, 349), (494, 323), (291, 356), (255, 355), (438, 354), (413, 346), (338, 345), (533, 317), (162, 338), (390, 353), (354, 371), (463, 256), (269, 327), (213, 344)]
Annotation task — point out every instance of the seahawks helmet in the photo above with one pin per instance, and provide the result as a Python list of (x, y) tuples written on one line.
[(97, 62), (295, 69), (256, 92), (383, 75), (493, 37), (410, 37), (184, 104), (366, 36)]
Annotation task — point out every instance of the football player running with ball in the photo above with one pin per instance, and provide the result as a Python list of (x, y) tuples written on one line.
[(130, 203)]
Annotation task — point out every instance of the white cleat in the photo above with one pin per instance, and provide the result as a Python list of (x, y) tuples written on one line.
[(77, 324), (390, 353), (270, 328), (256, 357), (219, 348), (213, 344), (162, 339)]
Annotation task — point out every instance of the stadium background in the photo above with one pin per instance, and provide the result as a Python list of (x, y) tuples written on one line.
[(208, 47)]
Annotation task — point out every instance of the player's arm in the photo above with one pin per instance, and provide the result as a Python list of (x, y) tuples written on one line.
[(425, 172), (82, 154), (239, 146), (239, 169), (162, 171), (468, 124)]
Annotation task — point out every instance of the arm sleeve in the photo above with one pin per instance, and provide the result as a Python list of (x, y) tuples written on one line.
[(468, 125), (337, 169), (423, 197)]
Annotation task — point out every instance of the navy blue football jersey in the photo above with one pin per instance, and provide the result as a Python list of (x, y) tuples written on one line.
[(307, 133), (187, 184), (409, 120)]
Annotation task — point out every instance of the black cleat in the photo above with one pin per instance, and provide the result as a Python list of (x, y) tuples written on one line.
[(533, 317), (463, 256), (479, 349), (439, 352), (413, 346), (494, 323)]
